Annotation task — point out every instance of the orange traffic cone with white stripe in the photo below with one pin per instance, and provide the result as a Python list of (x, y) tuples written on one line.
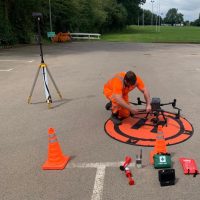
[(56, 159), (160, 144)]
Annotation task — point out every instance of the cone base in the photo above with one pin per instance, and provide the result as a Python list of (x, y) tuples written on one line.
[(49, 165)]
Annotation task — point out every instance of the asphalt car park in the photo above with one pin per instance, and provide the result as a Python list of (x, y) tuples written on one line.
[(80, 70)]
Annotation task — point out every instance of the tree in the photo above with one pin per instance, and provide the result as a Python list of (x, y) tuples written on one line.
[(173, 17), (66, 15), (92, 16), (148, 16), (17, 24), (22, 20), (196, 22), (116, 16), (6, 33), (133, 9)]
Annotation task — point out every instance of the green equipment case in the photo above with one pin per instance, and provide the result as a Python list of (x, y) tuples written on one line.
[(162, 161)]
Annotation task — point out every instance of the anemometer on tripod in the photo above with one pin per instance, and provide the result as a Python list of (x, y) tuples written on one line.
[(43, 67)]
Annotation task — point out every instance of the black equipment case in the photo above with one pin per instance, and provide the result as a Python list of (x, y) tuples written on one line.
[(167, 177)]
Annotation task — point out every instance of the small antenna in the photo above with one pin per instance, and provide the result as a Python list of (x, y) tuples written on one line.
[(141, 154)]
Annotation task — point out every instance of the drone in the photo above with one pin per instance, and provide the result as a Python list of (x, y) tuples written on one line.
[(158, 113)]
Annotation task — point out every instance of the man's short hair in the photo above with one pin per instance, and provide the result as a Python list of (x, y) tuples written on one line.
[(130, 77)]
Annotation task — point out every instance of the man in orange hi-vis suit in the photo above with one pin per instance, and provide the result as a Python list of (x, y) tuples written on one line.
[(116, 90)]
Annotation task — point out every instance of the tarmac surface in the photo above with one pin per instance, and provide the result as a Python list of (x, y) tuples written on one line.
[(80, 70)]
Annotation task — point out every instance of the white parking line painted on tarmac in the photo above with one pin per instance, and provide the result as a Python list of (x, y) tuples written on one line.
[(30, 61), (98, 184), (6, 70), (100, 174), (96, 165)]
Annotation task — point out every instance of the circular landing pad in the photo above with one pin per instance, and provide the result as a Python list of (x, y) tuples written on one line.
[(134, 131)]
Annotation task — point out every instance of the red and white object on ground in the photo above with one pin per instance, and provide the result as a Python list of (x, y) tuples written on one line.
[(189, 166), (129, 176), (126, 163)]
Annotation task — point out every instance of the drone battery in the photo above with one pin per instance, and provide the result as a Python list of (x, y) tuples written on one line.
[(166, 177), (155, 103)]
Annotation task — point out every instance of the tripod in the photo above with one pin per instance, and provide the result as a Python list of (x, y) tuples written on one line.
[(44, 69)]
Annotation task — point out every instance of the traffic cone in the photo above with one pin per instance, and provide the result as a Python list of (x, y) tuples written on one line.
[(56, 159), (160, 144)]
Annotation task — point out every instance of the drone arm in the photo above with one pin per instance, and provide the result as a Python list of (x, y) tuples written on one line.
[(165, 104), (173, 103), (176, 114), (139, 102), (136, 104), (174, 106)]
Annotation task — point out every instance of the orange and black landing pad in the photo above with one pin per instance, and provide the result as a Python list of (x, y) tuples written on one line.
[(134, 131)]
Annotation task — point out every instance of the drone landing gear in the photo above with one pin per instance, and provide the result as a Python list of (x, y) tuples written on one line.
[(157, 121)]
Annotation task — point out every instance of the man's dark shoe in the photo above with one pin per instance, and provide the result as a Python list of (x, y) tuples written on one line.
[(114, 118), (108, 106)]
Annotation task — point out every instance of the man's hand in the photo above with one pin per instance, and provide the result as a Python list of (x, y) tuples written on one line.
[(147, 99), (148, 108)]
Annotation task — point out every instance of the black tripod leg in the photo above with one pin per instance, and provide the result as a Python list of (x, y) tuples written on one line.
[(54, 83), (34, 82)]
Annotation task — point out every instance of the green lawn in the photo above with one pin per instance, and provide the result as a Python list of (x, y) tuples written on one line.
[(166, 34)]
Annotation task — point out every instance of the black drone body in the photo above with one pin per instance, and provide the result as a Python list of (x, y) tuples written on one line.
[(159, 114)]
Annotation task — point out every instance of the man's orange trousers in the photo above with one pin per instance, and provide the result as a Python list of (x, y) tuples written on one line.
[(116, 108)]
